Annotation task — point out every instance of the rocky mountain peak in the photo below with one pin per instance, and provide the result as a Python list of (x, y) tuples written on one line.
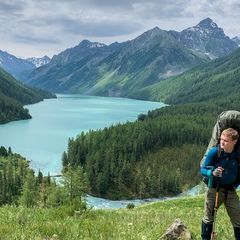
[(87, 44), (207, 23), (149, 38), (206, 37), (207, 28), (83, 49)]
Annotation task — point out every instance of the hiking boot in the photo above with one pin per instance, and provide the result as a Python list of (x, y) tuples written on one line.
[(237, 233), (206, 231)]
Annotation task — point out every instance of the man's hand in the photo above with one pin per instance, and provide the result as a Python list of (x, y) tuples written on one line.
[(217, 172)]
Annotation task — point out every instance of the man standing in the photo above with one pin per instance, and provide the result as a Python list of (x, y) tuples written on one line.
[(223, 170)]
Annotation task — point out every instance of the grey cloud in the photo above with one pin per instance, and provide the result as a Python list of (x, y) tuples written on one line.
[(33, 40), (57, 22), (100, 28), (131, 16), (10, 6)]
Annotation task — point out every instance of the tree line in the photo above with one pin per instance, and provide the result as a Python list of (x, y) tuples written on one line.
[(19, 185)]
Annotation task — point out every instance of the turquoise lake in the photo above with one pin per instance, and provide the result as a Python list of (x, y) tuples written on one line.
[(43, 139)]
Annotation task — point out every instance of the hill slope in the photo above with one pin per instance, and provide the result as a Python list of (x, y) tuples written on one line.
[(14, 95), (212, 81)]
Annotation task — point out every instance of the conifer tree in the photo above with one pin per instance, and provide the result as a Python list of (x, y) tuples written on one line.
[(30, 195)]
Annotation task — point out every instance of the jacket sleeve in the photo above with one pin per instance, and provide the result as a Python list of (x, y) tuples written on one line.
[(209, 162)]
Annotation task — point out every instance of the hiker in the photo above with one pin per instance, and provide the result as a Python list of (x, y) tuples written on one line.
[(223, 173)]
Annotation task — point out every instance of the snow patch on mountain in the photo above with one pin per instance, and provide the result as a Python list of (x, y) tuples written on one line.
[(38, 62)]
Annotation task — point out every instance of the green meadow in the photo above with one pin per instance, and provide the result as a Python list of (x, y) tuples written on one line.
[(148, 221)]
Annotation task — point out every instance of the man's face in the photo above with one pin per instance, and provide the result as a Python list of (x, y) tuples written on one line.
[(227, 143)]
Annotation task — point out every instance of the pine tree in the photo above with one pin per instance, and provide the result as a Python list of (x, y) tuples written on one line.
[(30, 196)]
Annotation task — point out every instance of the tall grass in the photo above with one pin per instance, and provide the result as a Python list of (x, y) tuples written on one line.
[(148, 221)]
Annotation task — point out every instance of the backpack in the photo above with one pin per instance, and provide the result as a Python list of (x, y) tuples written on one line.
[(227, 119)]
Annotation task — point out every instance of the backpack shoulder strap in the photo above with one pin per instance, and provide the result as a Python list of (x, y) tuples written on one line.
[(238, 151), (220, 153)]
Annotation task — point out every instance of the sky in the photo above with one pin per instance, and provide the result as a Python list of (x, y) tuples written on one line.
[(33, 28)]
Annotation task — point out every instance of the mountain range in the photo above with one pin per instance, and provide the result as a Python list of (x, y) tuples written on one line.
[(123, 69)]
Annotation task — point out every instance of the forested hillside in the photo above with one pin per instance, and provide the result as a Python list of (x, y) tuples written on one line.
[(159, 154), (13, 95)]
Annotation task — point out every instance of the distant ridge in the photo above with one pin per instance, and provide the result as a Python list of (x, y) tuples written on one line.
[(19, 67)]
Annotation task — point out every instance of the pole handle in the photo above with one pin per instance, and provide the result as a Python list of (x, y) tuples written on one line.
[(210, 178)]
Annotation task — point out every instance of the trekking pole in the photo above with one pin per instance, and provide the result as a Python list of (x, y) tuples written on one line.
[(214, 233)]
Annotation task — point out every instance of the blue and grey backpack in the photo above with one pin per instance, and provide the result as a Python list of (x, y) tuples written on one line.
[(227, 119)]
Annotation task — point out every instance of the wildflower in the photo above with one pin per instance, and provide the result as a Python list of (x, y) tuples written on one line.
[(130, 224), (54, 237)]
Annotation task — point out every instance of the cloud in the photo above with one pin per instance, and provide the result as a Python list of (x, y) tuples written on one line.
[(53, 26)]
